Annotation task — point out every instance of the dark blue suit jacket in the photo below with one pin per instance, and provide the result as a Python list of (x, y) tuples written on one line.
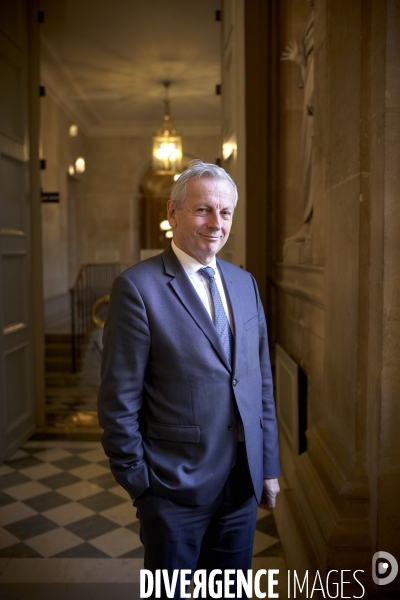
[(169, 400)]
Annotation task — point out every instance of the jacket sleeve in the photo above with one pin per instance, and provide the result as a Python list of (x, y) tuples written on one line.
[(126, 344), (271, 468)]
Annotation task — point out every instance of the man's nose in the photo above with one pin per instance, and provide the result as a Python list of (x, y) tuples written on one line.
[(214, 220)]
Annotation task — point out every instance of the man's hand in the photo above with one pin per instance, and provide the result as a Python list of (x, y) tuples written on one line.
[(270, 490)]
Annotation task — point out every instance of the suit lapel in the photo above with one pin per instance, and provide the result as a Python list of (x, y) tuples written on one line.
[(190, 300)]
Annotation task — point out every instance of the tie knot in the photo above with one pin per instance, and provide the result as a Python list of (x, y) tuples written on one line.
[(207, 272)]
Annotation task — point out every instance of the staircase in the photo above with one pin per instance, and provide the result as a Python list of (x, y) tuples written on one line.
[(59, 361), (69, 323)]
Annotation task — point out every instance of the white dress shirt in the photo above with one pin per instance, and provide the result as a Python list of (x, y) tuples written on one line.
[(201, 283)]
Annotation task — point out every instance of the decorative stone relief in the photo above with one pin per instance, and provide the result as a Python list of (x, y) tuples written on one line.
[(297, 248)]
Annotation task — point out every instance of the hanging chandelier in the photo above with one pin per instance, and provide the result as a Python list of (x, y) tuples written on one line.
[(167, 143)]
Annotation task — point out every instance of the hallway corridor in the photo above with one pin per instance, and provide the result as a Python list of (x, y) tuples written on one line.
[(68, 531)]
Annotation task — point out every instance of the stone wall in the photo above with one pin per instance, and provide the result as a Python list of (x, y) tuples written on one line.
[(336, 308), (382, 370), (298, 273)]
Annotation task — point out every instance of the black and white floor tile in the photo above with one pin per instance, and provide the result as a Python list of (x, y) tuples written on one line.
[(65, 523)]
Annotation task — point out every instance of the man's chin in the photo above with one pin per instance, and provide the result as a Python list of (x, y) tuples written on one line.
[(213, 246)]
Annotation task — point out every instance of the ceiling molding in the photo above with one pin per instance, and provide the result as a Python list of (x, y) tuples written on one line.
[(146, 129)]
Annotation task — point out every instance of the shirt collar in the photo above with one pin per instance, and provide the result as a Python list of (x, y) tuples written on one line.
[(190, 264)]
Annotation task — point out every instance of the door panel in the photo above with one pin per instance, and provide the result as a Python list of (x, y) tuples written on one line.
[(16, 391), (12, 176), (15, 309), (17, 363)]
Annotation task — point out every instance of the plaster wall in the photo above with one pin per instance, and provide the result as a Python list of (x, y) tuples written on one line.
[(207, 147), (59, 150), (106, 211)]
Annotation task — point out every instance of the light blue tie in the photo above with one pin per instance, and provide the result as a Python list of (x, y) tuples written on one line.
[(221, 321)]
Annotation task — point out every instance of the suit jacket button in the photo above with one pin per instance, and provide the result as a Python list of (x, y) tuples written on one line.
[(234, 382), (232, 426)]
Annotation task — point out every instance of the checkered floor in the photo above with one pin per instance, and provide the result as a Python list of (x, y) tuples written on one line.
[(68, 531), (63, 502)]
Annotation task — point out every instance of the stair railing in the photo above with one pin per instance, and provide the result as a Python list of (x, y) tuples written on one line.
[(93, 282)]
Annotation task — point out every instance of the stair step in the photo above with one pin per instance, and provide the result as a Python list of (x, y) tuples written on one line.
[(61, 363), (57, 338), (61, 379), (58, 357), (58, 350)]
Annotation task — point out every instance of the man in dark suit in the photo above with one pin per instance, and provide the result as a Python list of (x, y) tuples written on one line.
[(186, 398)]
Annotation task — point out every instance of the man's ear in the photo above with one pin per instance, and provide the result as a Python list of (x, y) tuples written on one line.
[(171, 212)]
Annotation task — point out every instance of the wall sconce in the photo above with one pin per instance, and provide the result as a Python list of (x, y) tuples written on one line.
[(71, 170), (167, 143), (169, 234), (228, 148), (80, 165), (73, 130)]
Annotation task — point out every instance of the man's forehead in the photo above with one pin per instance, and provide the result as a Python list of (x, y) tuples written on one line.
[(208, 187)]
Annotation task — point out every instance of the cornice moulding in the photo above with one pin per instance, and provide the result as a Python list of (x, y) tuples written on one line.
[(146, 129)]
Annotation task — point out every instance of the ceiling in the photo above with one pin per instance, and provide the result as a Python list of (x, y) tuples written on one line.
[(105, 61)]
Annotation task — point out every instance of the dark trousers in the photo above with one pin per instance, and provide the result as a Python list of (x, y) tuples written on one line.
[(218, 535)]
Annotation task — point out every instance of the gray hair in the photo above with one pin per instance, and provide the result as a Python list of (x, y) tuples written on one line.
[(197, 168)]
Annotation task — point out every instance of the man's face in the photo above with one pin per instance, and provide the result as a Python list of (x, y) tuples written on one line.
[(202, 226)]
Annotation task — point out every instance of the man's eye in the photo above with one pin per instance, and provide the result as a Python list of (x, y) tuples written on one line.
[(226, 214)]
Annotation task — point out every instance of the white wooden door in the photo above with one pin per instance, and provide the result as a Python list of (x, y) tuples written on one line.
[(16, 391)]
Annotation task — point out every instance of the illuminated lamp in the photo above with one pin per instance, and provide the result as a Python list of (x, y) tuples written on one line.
[(167, 143)]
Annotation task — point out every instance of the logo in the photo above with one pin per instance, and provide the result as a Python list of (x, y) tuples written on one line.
[(384, 568)]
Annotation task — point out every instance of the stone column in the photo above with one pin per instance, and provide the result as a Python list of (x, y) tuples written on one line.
[(383, 381), (341, 504)]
